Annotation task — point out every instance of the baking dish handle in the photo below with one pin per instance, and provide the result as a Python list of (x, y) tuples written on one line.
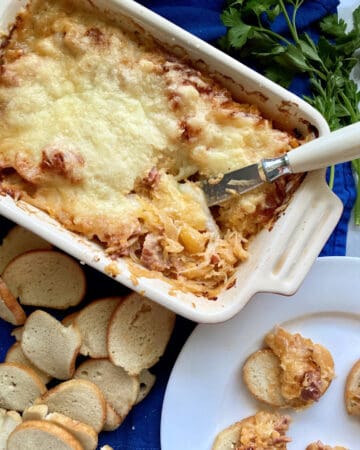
[(300, 236)]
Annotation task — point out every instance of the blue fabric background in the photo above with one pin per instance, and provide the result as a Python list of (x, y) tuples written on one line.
[(141, 430)]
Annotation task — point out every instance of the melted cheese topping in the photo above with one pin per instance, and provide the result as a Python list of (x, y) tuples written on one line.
[(102, 128), (264, 430), (307, 368)]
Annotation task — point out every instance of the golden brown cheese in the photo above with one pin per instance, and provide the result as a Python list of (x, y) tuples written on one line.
[(102, 128), (307, 368), (320, 446), (262, 431)]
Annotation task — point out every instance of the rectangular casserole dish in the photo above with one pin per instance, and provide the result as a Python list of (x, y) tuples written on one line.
[(279, 259)]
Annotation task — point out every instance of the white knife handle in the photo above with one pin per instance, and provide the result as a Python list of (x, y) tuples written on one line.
[(336, 147)]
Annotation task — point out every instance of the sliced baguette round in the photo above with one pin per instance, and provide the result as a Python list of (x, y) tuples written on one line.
[(9, 420), (69, 319), (19, 240), (80, 400), (92, 322), (42, 435), (307, 368), (17, 333), (10, 309), (16, 355), (105, 375), (35, 412), (19, 386), (51, 346), (84, 433), (46, 278), (146, 382), (228, 438), (262, 376), (113, 419), (138, 333), (263, 430), (352, 390)]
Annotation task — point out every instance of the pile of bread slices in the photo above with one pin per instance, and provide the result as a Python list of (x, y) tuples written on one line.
[(64, 381)]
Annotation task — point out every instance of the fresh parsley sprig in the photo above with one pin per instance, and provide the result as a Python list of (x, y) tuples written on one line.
[(327, 62)]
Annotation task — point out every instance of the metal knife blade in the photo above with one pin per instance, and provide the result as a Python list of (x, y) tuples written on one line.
[(218, 190), (232, 183)]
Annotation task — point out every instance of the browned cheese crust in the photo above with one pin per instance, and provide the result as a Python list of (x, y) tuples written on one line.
[(307, 368), (264, 430), (352, 390), (320, 446)]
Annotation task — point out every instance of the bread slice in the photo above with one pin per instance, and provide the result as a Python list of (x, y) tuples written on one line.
[(19, 386), (51, 346), (17, 333), (35, 412), (19, 240), (92, 322), (16, 355), (146, 382), (69, 319), (9, 420), (352, 390), (264, 430), (307, 369), (10, 310), (46, 278), (80, 400), (105, 375), (41, 435), (84, 433), (113, 419), (228, 438), (262, 375), (138, 333)]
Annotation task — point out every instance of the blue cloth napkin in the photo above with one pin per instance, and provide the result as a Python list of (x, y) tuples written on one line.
[(141, 429)]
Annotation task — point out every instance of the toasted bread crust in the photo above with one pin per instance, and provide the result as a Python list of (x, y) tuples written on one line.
[(105, 375), (15, 393), (35, 277), (92, 322), (145, 326), (228, 438), (19, 240), (352, 390), (61, 398), (16, 355), (41, 431), (262, 375), (307, 368), (263, 430), (10, 309), (46, 353)]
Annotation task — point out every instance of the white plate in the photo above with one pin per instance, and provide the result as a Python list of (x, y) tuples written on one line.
[(206, 393)]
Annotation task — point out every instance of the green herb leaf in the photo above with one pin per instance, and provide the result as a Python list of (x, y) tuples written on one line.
[(239, 34), (333, 26), (327, 63)]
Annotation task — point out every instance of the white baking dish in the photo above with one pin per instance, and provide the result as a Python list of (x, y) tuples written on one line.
[(280, 258)]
